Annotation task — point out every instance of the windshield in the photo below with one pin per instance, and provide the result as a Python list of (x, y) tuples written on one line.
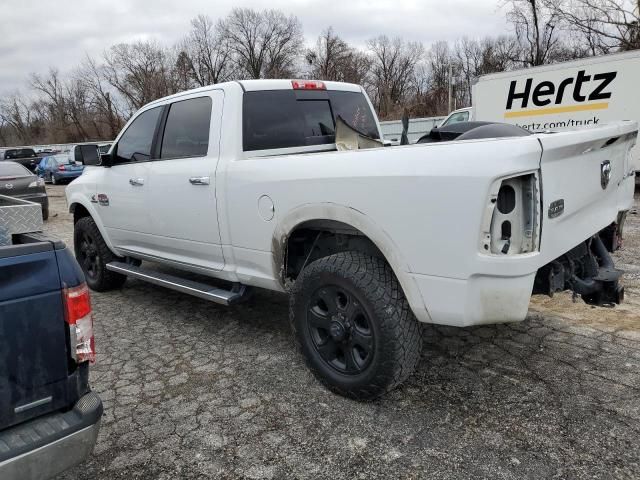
[(296, 118), (20, 153), (10, 169)]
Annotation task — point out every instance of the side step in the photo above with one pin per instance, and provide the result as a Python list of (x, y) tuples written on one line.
[(191, 287)]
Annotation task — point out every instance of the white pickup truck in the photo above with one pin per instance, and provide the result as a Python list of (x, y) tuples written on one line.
[(244, 184)]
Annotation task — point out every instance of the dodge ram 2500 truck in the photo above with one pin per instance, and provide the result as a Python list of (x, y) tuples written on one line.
[(49, 418), (253, 183)]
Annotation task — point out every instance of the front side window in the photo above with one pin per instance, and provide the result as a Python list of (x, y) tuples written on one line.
[(135, 143), (186, 132)]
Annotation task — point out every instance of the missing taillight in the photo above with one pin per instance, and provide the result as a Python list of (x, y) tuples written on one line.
[(79, 318), (511, 224)]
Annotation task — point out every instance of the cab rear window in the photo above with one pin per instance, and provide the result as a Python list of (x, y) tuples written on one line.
[(289, 118)]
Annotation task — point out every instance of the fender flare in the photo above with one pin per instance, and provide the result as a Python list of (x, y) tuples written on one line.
[(360, 221), (75, 200)]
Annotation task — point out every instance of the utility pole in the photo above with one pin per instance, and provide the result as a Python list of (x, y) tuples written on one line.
[(450, 88)]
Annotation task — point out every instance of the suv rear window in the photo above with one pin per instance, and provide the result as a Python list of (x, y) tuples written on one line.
[(296, 118)]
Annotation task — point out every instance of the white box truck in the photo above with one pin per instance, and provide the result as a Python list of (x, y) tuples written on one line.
[(569, 95)]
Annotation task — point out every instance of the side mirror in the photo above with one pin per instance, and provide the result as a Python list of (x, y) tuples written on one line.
[(106, 160), (89, 154)]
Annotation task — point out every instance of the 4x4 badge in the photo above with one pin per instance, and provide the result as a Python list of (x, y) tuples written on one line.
[(605, 173)]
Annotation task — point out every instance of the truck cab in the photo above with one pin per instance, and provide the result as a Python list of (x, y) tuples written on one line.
[(459, 115)]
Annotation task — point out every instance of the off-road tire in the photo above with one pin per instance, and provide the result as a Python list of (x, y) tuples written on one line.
[(100, 279), (397, 333)]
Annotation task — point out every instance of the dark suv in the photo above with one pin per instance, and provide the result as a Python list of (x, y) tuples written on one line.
[(49, 418), (25, 156)]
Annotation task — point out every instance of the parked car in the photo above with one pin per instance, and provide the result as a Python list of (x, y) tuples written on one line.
[(18, 182), (49, 418), (288, 188), (25, 156), (59, 168)]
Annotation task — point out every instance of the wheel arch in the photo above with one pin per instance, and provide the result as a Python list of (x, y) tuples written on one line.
[(344, 220), (80, 209)]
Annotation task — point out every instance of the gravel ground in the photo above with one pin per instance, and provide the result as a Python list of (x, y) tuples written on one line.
[(196, 390)]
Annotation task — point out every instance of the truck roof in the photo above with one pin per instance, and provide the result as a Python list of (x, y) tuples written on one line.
[(261, 84), (562, 65)]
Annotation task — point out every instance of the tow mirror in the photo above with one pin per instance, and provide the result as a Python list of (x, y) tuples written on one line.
[(106, 160), (89, 154)]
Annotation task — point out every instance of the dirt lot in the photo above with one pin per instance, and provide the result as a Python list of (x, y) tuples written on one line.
[(194, 390)]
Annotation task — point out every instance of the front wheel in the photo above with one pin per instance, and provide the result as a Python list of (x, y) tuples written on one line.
[(93, 254), (354, 326)]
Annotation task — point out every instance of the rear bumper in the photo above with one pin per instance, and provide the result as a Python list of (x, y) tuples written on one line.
[(46, 446), (68, 175)]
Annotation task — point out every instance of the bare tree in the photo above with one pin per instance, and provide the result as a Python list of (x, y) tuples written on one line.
[(536, 28), (264, 44), (140, 72), (393, 66), (604, 25), (108, 114), (208, 52)]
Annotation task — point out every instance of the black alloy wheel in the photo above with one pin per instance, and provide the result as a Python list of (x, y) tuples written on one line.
[(340, 329)]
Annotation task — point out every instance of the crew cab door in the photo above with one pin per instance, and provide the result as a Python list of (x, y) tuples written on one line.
[(182, 194), (122, 194)]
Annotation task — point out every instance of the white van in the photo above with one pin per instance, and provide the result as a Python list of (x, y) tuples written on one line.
[(569, 95)]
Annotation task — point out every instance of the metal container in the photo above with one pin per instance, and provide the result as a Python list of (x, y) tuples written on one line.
[(18, 216)]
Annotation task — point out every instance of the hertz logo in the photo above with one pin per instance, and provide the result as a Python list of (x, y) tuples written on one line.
[(583, 88)]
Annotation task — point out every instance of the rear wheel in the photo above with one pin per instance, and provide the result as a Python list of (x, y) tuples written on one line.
[(354, 326), (93, 255), (53, 179)]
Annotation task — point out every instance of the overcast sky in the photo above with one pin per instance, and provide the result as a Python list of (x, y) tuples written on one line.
[(36, 35)]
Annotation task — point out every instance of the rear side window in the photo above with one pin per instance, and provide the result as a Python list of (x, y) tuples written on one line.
[(288, 118), (135, 143), (186, 132)]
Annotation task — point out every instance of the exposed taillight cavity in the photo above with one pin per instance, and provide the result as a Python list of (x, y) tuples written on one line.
[(512, 221), (308, 85), (79, 318)]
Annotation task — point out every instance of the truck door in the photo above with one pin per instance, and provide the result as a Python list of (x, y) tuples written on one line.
[(122, 195), (182, 195)]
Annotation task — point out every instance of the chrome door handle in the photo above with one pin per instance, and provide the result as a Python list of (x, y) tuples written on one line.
[(199, 180), (136, 182)]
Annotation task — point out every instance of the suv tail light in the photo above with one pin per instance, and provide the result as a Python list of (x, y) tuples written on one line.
[(308, 85), (80, 320)]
